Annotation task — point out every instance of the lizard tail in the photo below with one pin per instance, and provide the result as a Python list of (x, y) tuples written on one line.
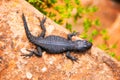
[(30, 37)]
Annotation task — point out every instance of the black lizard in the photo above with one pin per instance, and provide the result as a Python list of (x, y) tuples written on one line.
[(55, 44)]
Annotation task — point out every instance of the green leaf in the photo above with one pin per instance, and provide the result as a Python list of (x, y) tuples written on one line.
[(31, 1), (84, 35), (80, 10), (59, 21), (69, 26), (104, 31), (91, 9), (90, 39), (94, 32), (60, 9), (77, 2), (53, 1), (51, 14), (105, 34), (87, 24), (112, 54), (97, 22), (103, 47), (67, 1), (114, 45)]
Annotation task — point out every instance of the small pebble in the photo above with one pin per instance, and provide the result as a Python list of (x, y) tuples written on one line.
[(44, 69), (28, 75)]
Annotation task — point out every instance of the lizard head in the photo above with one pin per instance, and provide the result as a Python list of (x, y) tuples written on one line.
[(82, 45)]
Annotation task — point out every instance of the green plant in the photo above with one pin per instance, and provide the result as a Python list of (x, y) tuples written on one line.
[(69, 26), (112, 54), (64, 10)]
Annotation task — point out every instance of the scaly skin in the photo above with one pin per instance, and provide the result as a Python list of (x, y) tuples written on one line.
[(55, 44)]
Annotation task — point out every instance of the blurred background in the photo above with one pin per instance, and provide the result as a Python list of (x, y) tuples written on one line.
[(97, 20)]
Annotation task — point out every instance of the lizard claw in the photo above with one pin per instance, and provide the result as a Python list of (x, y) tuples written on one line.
[(74, 59)]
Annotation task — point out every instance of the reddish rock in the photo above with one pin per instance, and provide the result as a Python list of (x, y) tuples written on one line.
[(93, 65)]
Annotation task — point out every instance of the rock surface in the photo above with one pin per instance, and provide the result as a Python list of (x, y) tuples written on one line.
[(93, 65)]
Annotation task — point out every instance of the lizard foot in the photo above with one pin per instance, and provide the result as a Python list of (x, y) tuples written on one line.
[(74, 59)]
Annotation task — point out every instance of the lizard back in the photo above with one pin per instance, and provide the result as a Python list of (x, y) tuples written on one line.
[(55, 44)]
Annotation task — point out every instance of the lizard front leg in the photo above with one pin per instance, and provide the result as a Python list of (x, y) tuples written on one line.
[(37, 53), (69, 36), (71, 57)]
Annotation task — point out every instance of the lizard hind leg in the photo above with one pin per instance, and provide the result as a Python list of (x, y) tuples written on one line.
[(37, 53), (42, 26)]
